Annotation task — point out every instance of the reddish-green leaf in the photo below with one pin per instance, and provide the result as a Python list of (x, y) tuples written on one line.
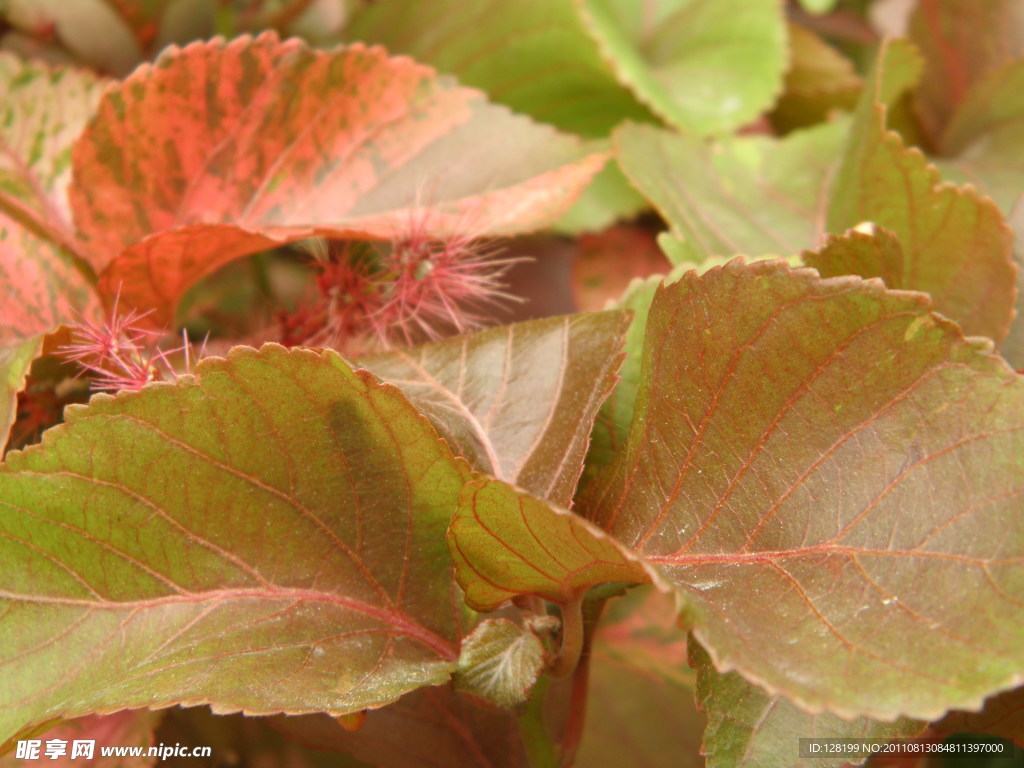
[(42, 113), (962, 41), (1013, 347), (518, 401), (833, 479), (747, 728), (819, 80), (705, 66), (507, 543), (221, 149), (749, 195), (266, 536), (954, 242), (607, 262)]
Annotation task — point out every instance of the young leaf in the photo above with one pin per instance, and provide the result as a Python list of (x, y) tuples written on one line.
[(705, 66), (832, 478), (962, 40), (42, 113), (747, 728), (221, 149), (507, 543), (500, 661), (752, 195), (533, 55), (954, 242), (518, 401), (265, 536)]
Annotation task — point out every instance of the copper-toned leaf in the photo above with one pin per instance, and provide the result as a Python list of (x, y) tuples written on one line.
[(268, 535), (1002, 715), (833, 480), (962, 41), (429, 728), (954, 242), (518, 401), (747, 728), (221, 149), (507, 543), (608, 261), (42, 112)]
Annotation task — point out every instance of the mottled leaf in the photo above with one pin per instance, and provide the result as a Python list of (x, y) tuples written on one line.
[(518, 401), (42, 112), (962, 40), (705, 66), (506, 543), (747, 728), (500, 661), (221, 149), (750, 195), (265, 536), (818, 81), (954, 242), (533, 55), (833, 479)]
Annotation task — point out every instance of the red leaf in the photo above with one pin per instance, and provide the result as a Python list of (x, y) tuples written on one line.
[(221, 149)]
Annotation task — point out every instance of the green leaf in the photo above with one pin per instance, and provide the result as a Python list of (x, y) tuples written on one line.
[(704, 66), (506, 543), (609, 198), (750, 195), (962, 41), (500, 661), (295, 142), (42, 112), (265, 536), (954, 242), (832, 478), (533, 55), (519, 401), (747, 728)]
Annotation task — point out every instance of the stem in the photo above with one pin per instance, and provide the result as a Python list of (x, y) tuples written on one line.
[(580, 682), (572, 636), (539, 748)]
